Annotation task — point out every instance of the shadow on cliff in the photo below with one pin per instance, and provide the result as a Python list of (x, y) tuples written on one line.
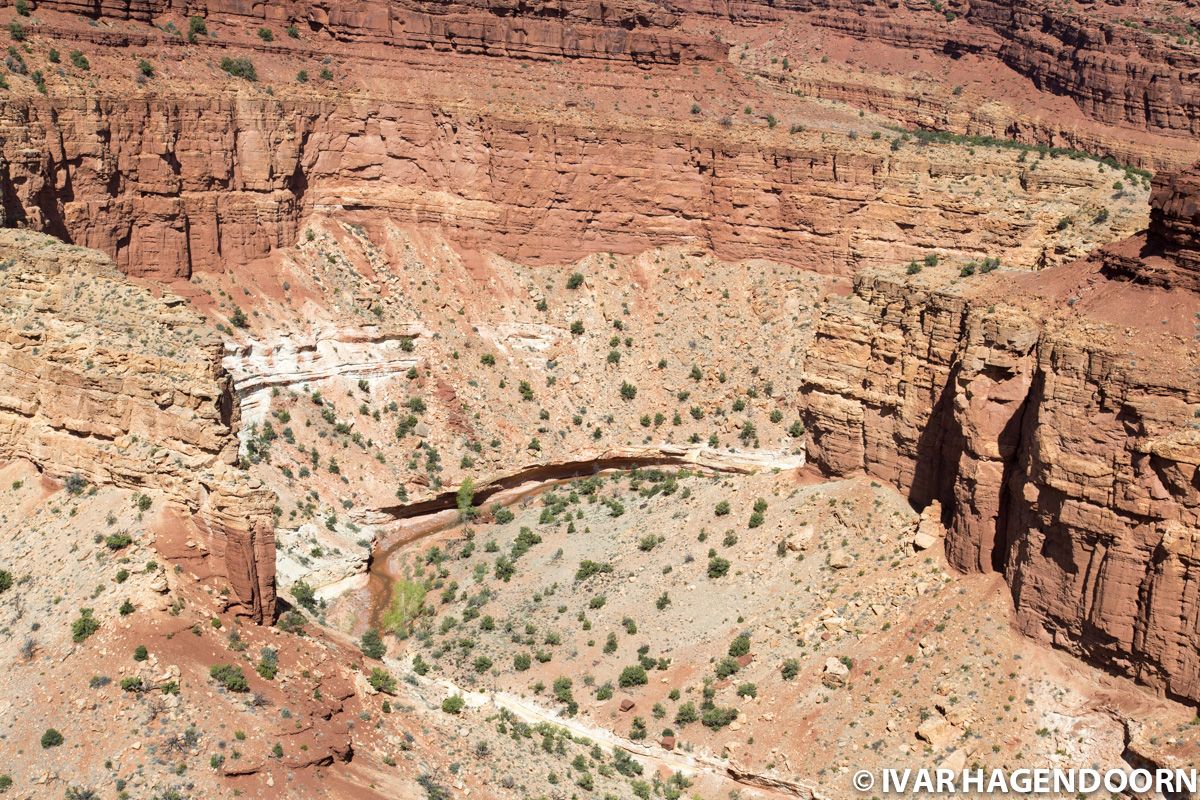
[(939, 450)]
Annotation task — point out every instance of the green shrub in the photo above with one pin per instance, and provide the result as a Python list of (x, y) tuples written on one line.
[(268, 663), (79, 60), (686, 714), (51, 738), (790, 669), (454, 704), (717, 718), (292, 622), (726, 666), (717, 567), (575, 280), (373, 645), (634, 675), (382, 681), (140, 653), (133, 683), (229, 676), (722, 508), (85, 626), (239, 68), (196, 28), (6, 580), (305, 595), (118, 541), (740, 646)]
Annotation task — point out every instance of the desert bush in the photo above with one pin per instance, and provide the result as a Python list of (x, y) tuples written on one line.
[(85, 626), (634, 675), (230, 677), (382, 681), (239, 68), (373, 645)]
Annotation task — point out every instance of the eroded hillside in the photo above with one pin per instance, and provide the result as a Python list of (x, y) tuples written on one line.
[(646, 400)]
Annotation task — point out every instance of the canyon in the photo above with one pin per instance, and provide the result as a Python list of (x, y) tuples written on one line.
[(1060, 447), (384, 375), (105, 384)]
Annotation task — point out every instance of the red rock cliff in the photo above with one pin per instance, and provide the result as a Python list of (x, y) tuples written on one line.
[(103, 381), (168, 185), (1059, 441), (628, 30), (1116, 73)]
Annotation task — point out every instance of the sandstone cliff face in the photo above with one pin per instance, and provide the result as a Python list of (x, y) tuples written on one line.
[(1061, 447), (1117, 74), (628, 30), (105, 382), (171, 184), (1175, 225)]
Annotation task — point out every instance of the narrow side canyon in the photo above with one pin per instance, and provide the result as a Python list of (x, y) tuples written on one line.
[(1059, 442)]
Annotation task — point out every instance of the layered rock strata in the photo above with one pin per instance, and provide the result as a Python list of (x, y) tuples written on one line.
[(1061, 444), (628, 30), (1175, 226), (103, 383), (1117, 73), (170, 185)]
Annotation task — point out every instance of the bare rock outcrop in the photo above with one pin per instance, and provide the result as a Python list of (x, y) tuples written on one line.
[(167, 185), (1060, 443), (105, 383), (628, 30), (1116, 73), (1175, 224)]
